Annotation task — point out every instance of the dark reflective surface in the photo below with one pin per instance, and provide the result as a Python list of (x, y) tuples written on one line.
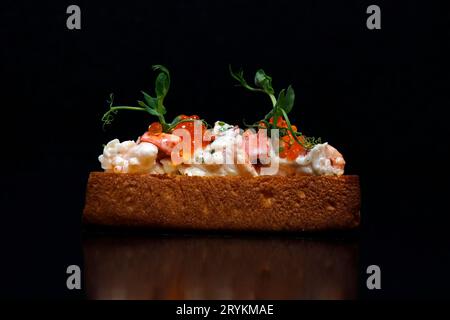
[(219, 267)]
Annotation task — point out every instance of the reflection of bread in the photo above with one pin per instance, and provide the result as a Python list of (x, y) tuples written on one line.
[(118, 266), (266, 203)]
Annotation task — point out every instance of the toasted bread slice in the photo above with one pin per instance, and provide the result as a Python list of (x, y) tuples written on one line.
[(266, 203)]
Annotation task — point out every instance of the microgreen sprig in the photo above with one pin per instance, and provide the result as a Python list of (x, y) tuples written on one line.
[(281, 106), (152, 105)]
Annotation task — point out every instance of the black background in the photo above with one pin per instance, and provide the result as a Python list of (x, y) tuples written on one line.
[(379, 96)]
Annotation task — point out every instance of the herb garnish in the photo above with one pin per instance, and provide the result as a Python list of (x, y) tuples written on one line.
[(280, 107), (152, 105)]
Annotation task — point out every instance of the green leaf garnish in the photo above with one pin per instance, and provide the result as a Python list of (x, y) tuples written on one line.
[(286, 99), (162, 82), (108, 117), (262, 81), (150, 101), (152, 105), (280, 107)]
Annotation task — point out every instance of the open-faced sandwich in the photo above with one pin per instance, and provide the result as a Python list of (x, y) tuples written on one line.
[(186, 174)]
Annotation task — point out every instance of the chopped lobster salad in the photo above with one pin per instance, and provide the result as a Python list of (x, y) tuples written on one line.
[(190, 146)]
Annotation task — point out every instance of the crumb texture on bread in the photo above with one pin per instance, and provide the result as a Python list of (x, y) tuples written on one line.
[(266, 203)]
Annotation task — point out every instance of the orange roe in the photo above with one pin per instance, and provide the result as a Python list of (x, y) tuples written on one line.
[(155, 128), (289, 147), (189, 126)]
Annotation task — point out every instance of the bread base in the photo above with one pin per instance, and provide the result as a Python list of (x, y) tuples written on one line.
[(266, 203)]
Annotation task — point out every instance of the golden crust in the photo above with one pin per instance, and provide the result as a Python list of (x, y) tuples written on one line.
[(266, 203)]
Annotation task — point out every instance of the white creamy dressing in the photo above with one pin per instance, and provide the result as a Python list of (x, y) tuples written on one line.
[(318, 161), (225, 156), (130, 157)]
